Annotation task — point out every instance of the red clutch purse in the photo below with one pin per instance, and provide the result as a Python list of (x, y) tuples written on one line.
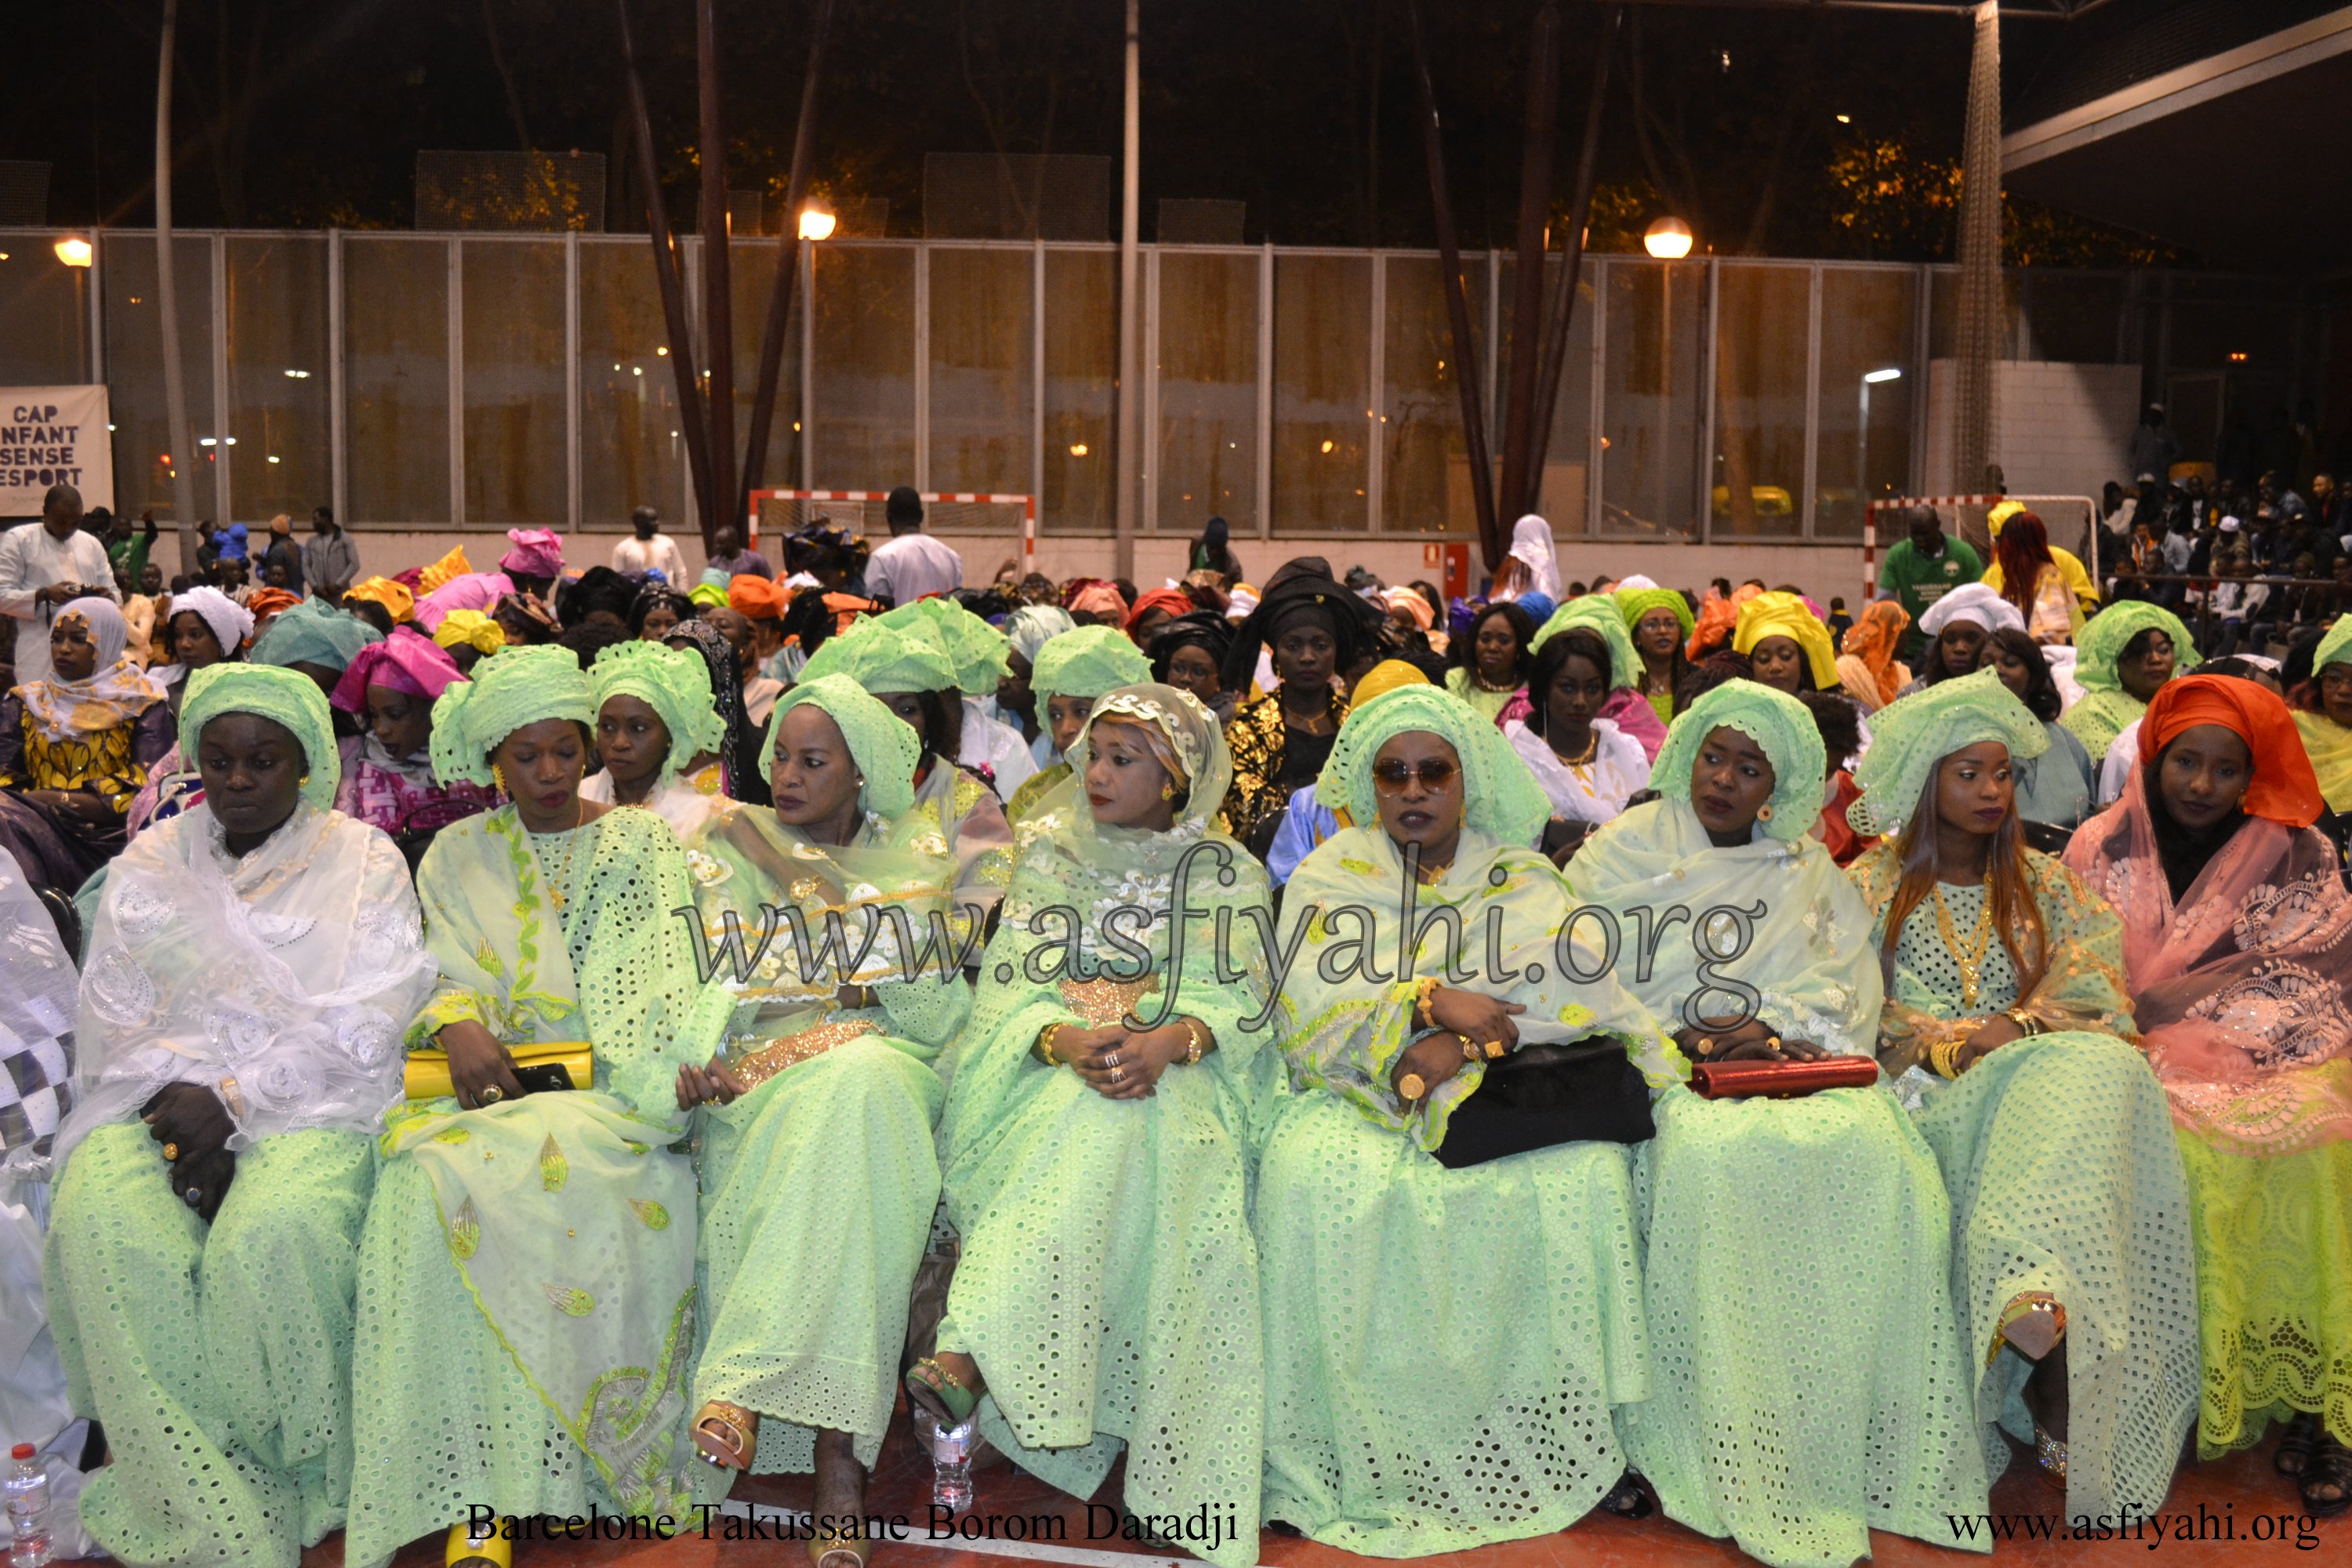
[(1780, 1080)]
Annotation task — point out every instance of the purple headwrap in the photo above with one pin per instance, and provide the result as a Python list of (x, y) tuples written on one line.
[(468, 591)]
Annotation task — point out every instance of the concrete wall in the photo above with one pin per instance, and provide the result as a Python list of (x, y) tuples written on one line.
[(2059, 428)]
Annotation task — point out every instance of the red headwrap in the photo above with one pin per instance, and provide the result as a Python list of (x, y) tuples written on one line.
[(756, 598), (1172, 600), (2284, 789)]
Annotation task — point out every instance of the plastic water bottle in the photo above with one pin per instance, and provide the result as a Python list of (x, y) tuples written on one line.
[(28, 1508), (950, 1459)]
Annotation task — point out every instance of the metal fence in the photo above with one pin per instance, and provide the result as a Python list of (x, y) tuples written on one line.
[(491, 380)]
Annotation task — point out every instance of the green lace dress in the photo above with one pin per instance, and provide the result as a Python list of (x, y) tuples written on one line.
[(1444, 1348), (2058, 1154), (527, 1297), (818, 1186), (1758, 1211), (1108, 1283)]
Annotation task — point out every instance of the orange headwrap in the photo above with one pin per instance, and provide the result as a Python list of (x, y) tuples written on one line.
[(756, 598), (1874, 639), (1174, 600), (1716, 616), (2284, 789), (265, 603)]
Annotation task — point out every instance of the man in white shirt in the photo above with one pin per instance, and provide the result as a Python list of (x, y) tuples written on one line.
[(649, 551), (910, 564), (46, 565)]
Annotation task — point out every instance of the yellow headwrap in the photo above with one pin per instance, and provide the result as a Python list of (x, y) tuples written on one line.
[(470, 628), (393, 596), (1785, 615), (1384, 677), (449, 566)]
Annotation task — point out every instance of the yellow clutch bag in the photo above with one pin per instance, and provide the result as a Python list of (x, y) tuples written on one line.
[(550, 1065)]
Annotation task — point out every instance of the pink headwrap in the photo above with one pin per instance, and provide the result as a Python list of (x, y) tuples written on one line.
[(536, 552), (404, 661), (470, 591), (1098, 598)]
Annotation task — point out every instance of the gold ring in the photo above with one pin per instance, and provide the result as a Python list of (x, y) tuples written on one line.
[(1118, 1075), (1412, 1087), (1707, 1045), (172, 1152), (491, 1096)]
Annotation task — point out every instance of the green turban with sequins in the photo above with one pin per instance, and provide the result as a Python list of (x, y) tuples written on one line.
[(1779, 724), (511, 689), (976, 649), (1635, 603), (312, 632), (1088, 661), (880, 657), (2335, 647), (883, 746), (1911, 734), (285, 697), (1597, 613), (2104, 636), (674, 682), (1499, 795)]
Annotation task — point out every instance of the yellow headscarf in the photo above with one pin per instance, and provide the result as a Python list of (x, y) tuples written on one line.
[(450, 566), (1785, 615), (470, 628), (1384, 677), (393, 596)]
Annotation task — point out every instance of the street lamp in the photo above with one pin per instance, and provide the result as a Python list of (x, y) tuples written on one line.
[(1862, 439), (75, 252), (817, 223), (1668, 239)]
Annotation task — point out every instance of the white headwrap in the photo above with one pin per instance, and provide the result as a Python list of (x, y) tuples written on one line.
[(1531, 546), (231, 621), (1971, 602), (1637, 581), (1031, 627)]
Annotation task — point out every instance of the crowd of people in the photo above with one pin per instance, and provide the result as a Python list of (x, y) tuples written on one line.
[(1403, 1069)]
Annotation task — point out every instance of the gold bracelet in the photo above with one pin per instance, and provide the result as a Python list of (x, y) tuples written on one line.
[(1422, 990), (1944, 1057), (2028, 1024), (1196, 1035), (1044, 1047)]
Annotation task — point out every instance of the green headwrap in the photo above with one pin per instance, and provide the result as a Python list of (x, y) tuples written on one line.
[(977, 649), (2102, 641), (285, 696), (2335, 647), (1775, 720), (1088, 661), (512, 688), (1598, 614), (1499, 795), (674, 682), (1635, 603), (1910, 736), (706, 595), (312, 632), (884, 746), (909, 657)]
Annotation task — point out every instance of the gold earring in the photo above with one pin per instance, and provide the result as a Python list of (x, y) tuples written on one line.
[(303, 780), (1168, 792), (498, 778), (1764, 813)]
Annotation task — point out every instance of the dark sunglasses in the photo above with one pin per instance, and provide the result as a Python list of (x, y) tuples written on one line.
[(1392, 777)]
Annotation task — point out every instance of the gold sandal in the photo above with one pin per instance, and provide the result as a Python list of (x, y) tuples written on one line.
[(2050, 1454), (467, 1549), (851, 1548), (730, 1447), (2033, 1324)]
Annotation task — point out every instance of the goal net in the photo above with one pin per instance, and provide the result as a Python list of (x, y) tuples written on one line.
[(1006, 525)]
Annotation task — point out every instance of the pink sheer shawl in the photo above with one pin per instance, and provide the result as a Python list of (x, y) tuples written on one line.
[(2243, 990), (1625, 707)]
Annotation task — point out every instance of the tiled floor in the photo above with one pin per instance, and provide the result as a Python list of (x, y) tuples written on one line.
[(2240, 1492)]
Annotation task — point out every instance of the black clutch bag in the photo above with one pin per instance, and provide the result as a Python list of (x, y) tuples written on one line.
[(1586, 1091)]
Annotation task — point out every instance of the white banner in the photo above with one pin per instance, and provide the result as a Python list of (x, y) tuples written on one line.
[(54, 436)]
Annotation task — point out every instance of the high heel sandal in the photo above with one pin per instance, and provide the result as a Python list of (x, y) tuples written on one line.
[(467, 1549), (730, 1447), (935, 1389), (833, 1547), (2033, 1324), (2050, 1454), (2296, 1445), (2330, 1465)]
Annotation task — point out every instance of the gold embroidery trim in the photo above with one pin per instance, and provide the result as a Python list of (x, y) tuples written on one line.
[(1102, 1003), (756, 1067)]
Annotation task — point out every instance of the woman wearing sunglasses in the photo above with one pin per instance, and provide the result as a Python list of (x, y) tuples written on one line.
[(1451, 1305)]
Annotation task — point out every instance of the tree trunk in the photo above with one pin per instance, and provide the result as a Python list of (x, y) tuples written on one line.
[(718, 292), (788, 266), (167, 303), (1527, 304)]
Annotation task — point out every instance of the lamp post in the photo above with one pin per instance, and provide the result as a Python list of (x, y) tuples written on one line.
[(75, 252), (1862, 437), (1668, 239)]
